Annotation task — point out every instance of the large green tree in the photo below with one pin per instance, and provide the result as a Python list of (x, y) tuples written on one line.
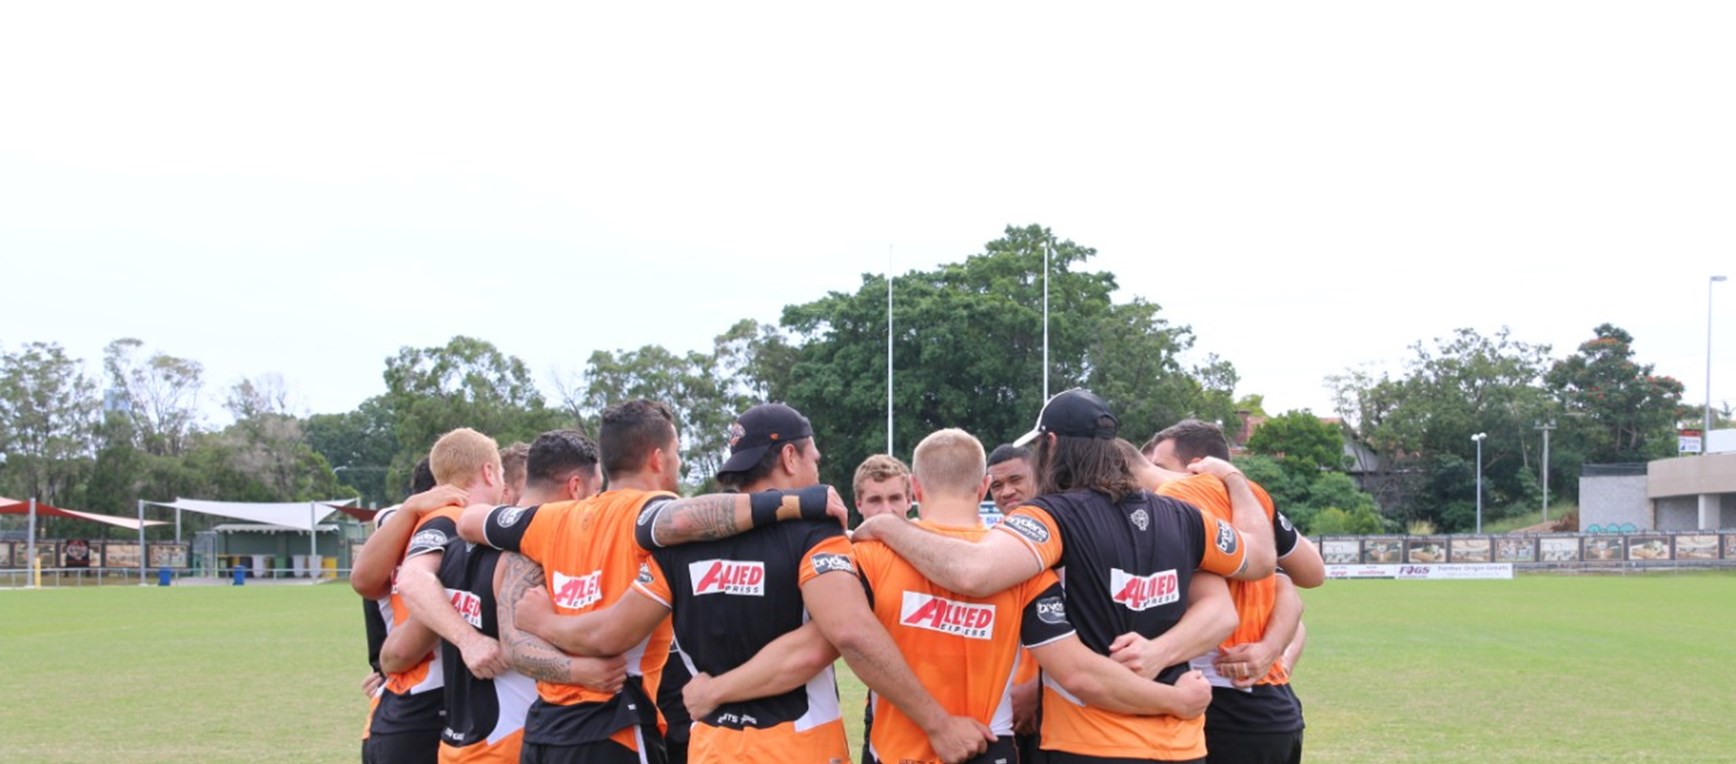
[(1624, 411), (465, 383), (159, 393), (48, 411), (968, 352), (1462, 385)]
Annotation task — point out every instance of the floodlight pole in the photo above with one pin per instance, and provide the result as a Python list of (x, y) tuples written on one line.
[(1479, 440), (889, 349), (1048, 247), (1706, 433), (32, 573), (1546, 428), (142, 554)]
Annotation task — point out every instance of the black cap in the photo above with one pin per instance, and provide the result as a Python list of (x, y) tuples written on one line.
[(1074, 413), (760, 428)]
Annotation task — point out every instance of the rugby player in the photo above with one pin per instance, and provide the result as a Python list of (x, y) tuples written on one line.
[(1255, 717), (734, 596), (1128, 555)]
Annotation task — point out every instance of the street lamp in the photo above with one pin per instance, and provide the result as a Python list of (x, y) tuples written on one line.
[(1479, 439), (1706, 432)]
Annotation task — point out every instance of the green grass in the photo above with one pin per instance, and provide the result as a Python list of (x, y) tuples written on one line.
[(1542, 668)]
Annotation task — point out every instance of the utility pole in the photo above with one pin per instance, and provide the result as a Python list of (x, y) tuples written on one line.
[(1546, 428)]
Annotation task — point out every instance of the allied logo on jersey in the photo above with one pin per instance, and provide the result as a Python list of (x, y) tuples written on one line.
[(1144, 592), (1027, 526), (963, 619), (575, 592), (1226, 540), (1284, 522), (1052, 610), (645, 576), (509, 516), (432, 538), (1141, 520), (826, 562), (468, 605), (739, 577)]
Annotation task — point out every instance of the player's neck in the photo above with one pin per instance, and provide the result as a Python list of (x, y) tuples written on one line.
[(532, 497), (953, 511), (638, 481)]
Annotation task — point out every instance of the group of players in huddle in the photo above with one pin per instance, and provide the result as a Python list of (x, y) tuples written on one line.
[(1133, 604)]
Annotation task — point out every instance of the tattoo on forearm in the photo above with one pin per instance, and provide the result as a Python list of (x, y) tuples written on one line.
[(527, 652), (701, 518)]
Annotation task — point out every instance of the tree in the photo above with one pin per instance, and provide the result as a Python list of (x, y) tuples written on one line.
[(1625, 412), (705, 398), (48, 410), (159, 393), (968, 352), (1300, 442), (1464, 385), (363, 444), (466, 383)]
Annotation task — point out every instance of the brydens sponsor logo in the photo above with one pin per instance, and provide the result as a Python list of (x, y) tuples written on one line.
[(745, 578), (1026, 526), (964, 619), (1142, 592), (575, 592)]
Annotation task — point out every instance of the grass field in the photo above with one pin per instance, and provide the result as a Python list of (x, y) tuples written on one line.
[(1542, 668)]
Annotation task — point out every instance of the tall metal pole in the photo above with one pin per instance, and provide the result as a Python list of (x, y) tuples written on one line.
[(142, 555), (1479, 439), (1546, 428), (32, 574), (1048, 247), (889, 349), (1706, 432)]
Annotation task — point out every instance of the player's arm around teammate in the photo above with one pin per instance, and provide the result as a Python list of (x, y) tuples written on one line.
[(974, 569), (1247, 515), (717, 516), (838, 605), (371, 574), (419, 583), (530, 654), (785, 664), (1105, 684), (1209, 620), (1248, 662)]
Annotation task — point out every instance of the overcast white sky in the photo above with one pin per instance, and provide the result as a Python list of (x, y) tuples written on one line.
[(304, 188)]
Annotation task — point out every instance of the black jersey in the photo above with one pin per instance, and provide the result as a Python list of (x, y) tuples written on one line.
[(732, 597), (484, 717)]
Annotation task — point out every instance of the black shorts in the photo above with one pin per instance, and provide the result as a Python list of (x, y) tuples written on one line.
[(1063, 757), (599, 752), (1002, 751), (402, 747), (1253, 747)]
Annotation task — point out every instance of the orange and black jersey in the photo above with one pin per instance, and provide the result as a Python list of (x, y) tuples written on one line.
[(732, 597), (484, 717), (1268, 706), (967, 651), (589, 559), (411, 700), (1126, 567)]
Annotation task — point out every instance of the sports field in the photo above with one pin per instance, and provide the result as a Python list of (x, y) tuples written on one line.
[(1542, 668)]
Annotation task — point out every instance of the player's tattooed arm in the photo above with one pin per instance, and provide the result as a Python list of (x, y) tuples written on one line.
[(718, 516), (530, 654)]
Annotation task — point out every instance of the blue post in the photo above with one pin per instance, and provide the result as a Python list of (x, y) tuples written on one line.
[(240, 575)]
